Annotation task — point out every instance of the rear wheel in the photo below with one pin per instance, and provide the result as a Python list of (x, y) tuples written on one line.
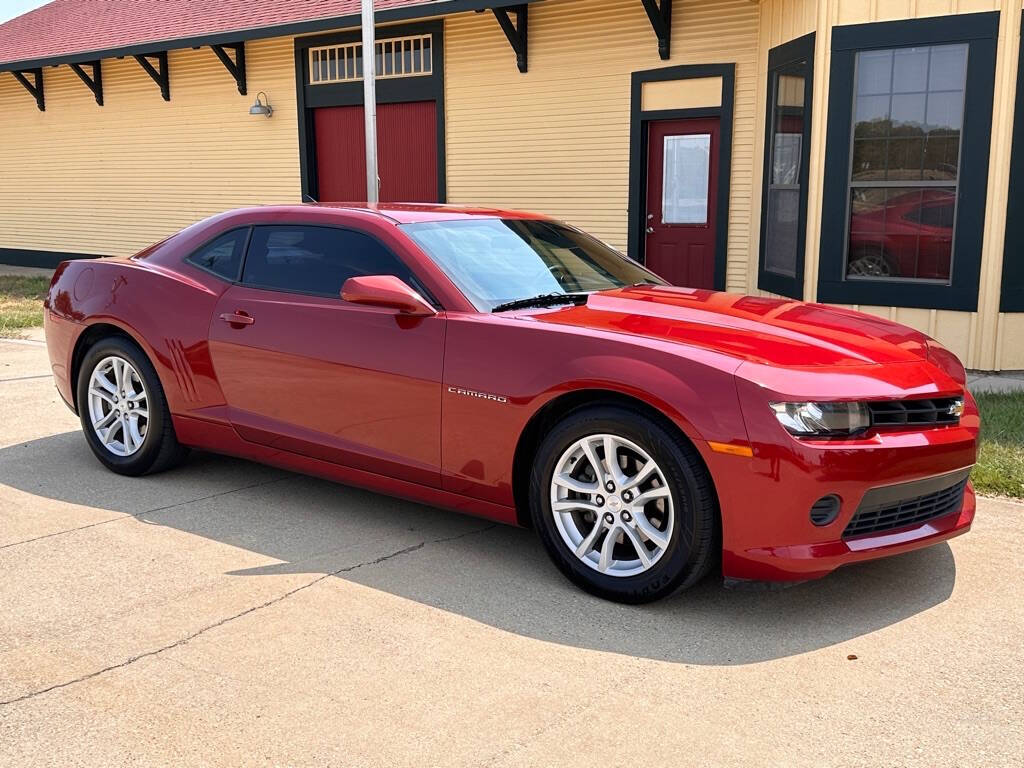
[(623, 505), (123, 410)]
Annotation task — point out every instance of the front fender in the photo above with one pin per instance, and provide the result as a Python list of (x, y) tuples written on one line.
[(525, 366)]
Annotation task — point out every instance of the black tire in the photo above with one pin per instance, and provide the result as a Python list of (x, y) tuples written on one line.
[(160, 448), (692, 549)]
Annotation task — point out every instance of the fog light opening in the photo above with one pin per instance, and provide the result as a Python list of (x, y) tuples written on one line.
[(825, 510)]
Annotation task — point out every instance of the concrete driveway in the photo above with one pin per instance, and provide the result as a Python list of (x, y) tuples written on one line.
[(226, 613)]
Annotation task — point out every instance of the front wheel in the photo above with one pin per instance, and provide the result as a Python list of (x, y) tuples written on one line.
[(623, 505), (123, 410)]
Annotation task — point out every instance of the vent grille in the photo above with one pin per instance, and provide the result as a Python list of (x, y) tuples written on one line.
[(825, 510), (396, 57), (911, 511), (938, 411)]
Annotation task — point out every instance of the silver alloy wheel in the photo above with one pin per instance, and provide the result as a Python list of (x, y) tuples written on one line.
[(118, 406), (612, 505), (870, 264)]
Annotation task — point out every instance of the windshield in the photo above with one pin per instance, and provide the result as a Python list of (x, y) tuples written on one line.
[(497, 261)]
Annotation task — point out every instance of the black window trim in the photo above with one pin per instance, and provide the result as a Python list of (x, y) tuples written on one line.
[(420, 287), (1011, 297), (189, 259), (980, 31), (781, 57)]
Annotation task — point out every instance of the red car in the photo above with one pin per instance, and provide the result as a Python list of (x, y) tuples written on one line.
[(509, 366)]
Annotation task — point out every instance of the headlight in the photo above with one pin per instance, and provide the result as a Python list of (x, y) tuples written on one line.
[(822, 419)]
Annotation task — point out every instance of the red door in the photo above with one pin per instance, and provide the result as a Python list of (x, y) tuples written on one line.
[(406, 153), (682, 186)]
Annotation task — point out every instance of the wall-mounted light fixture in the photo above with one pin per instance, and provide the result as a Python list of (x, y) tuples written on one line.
[(261, 107)]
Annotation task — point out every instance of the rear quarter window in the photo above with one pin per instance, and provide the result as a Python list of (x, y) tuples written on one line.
[(222, 256)]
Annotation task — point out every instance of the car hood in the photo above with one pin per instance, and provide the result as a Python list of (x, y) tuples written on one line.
[(773, 332)]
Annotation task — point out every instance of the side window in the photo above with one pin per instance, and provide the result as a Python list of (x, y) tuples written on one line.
[(223, 256), (316, 260)]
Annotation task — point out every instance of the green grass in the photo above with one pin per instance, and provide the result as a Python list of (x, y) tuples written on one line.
[(1000, 469), (21, 302)]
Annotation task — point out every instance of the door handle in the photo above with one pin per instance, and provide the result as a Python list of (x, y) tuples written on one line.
[(237, 319)]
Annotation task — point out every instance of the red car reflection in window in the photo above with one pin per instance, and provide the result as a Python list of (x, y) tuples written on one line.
[(901, 233)]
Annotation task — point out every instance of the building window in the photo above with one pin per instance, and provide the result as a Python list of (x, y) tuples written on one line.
[(396, 57), (1012, 298), (787, 151), (910, 112), (907, 117)]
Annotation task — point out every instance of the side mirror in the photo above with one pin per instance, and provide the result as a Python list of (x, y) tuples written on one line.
[(385, 291)]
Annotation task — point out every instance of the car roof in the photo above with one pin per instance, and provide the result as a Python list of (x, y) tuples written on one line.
[(399, 213)]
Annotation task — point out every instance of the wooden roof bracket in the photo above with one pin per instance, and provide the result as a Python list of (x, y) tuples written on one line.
[(516, 33), (95, 82), (235, 67), (661, 21), (161, 74), (36, 87)]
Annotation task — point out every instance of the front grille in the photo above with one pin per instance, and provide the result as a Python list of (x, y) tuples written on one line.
[(937, 411), (879, 511)]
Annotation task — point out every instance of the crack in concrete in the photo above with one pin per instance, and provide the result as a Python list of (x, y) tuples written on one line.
[(252, 609), (27, 378), (136, 515)]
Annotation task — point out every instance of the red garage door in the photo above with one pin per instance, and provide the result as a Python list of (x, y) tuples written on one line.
[(406, 153)]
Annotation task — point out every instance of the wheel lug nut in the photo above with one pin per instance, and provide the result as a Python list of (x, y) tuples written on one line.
[(609, 486), (626, 516), (609, 519), (627, 496), (599, 501)]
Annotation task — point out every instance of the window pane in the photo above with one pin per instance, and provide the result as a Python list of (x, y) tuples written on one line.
[(223, 256), (907, 114), (869, 159), (901, 232), (782, 204), (872, 116), (685, 178), (948, 68), (780, 252), (910, 70), (945, 111), (904, 159), (315, 260), (874, 72)]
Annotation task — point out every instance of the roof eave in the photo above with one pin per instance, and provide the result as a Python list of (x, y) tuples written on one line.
[(384, 16)]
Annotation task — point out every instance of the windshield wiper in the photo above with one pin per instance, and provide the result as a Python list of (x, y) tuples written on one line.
[(543, 300)]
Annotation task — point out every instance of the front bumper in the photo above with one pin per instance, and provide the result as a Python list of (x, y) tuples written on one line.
[(765, 501)]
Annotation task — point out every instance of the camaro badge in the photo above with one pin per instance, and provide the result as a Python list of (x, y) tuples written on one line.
[(481, 395)]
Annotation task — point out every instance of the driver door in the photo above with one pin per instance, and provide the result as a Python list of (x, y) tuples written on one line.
[(304, 371)]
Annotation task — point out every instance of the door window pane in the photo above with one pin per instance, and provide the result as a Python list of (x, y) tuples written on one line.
[(782, 226), (316, 260), (223, 256), (905, 134), (685, 179)]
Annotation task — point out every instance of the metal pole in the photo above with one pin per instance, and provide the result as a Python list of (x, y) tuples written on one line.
[(370, 100)]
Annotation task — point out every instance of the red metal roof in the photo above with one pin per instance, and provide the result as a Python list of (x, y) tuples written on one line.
[(70, 28)]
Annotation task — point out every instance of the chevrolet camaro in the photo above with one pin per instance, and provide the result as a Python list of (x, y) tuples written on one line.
[(510, 366)]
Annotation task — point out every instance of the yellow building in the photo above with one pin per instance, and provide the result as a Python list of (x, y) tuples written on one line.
[(856, 152)]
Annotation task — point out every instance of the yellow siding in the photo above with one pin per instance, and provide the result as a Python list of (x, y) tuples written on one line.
[(110, 180), (984, 339), (557, 138), (681, 94)]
